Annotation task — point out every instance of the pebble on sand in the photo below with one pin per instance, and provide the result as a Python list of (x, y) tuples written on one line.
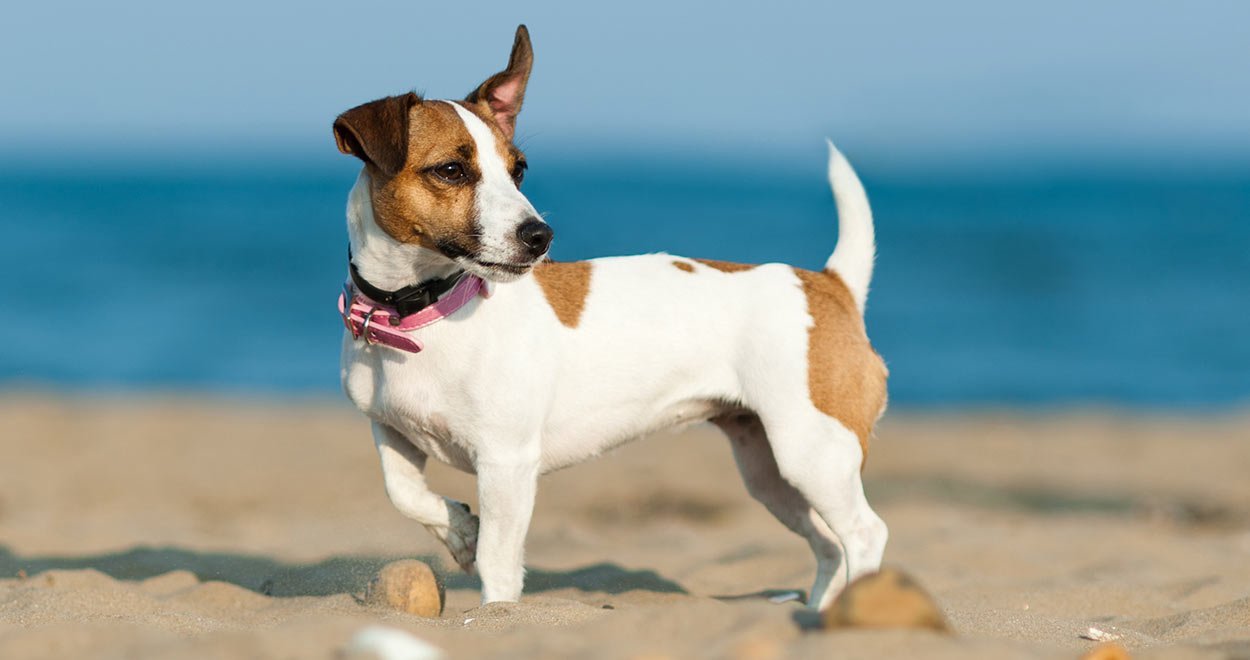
[(407, 585), (886, 599), (1108, 651)]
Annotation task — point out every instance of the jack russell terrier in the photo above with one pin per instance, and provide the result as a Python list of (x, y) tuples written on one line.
[(465, 344)]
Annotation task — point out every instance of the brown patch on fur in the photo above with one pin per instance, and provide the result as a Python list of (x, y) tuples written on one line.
[(377, 132), (683, 266), (885, 599), (725, 266), (846, 379), (413, 205), (565, 286)]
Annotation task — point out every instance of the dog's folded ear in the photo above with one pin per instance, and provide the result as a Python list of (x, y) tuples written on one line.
[(377, 132), (503, 92)]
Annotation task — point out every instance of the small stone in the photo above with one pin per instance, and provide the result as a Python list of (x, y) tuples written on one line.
[(407, 585), (886, 599), (1108, 651)]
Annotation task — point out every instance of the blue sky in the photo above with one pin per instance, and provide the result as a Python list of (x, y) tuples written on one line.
[(971, 76)]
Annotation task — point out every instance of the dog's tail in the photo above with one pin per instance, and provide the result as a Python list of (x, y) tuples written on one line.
[(853, 257)]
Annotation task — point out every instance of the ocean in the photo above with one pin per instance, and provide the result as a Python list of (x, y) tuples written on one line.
[(1073, 286)]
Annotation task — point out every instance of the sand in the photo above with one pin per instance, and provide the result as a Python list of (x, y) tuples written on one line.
[(177, 527)]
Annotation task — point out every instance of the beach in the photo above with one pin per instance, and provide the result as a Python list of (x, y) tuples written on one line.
[(209, 527)]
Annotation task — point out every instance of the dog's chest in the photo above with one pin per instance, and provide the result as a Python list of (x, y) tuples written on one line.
[(471, 383), (416, 397)]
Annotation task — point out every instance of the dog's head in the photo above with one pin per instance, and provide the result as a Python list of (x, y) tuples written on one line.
[(445, 175)]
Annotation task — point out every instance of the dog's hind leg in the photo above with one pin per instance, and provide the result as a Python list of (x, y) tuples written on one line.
[(403, 468), (821, 458), (764, 482)]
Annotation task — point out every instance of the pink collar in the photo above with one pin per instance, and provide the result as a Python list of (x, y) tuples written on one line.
[(378, 324)]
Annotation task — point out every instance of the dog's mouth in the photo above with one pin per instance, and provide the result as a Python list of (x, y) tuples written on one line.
[(493, 271), (515, 269), (496, 271)]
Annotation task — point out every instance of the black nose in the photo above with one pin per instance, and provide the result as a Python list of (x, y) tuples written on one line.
[(535, 235)]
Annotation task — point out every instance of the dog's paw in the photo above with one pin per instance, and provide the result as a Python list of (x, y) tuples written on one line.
[(461, 538)]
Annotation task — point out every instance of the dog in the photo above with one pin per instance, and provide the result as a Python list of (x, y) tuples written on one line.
[(464, 343)]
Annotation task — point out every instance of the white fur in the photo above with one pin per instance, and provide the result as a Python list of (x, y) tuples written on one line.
[(504, 390), (853, 257), (386, 263), (501, 208)]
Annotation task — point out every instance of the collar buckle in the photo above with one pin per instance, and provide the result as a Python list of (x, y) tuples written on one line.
[(364, 327)]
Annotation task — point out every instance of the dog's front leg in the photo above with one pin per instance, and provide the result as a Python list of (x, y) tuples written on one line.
[(506, 484), (403, 468)]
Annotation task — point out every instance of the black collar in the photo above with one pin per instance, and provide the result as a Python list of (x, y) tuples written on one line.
[(408, 300)]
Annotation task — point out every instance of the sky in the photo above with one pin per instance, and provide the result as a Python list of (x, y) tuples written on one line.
[(1135, 78)]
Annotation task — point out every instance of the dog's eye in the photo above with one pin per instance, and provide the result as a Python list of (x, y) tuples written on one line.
[(453, 172), (518, 172)]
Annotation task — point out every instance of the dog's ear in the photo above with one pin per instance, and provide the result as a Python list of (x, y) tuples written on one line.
[(377, 132), (503, 92)]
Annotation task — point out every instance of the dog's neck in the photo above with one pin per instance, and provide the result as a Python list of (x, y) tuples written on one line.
[(385, 262)]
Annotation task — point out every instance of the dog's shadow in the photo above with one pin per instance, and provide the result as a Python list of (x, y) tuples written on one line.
[(336, 575)]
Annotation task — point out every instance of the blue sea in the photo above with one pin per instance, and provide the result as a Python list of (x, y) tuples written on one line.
[(1054, 286)]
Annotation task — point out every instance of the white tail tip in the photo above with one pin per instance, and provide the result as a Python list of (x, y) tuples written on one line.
[(856, 250)]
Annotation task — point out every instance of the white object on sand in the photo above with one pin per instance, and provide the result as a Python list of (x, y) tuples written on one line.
[(785, 598), (392, 644), (1094, 634)]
